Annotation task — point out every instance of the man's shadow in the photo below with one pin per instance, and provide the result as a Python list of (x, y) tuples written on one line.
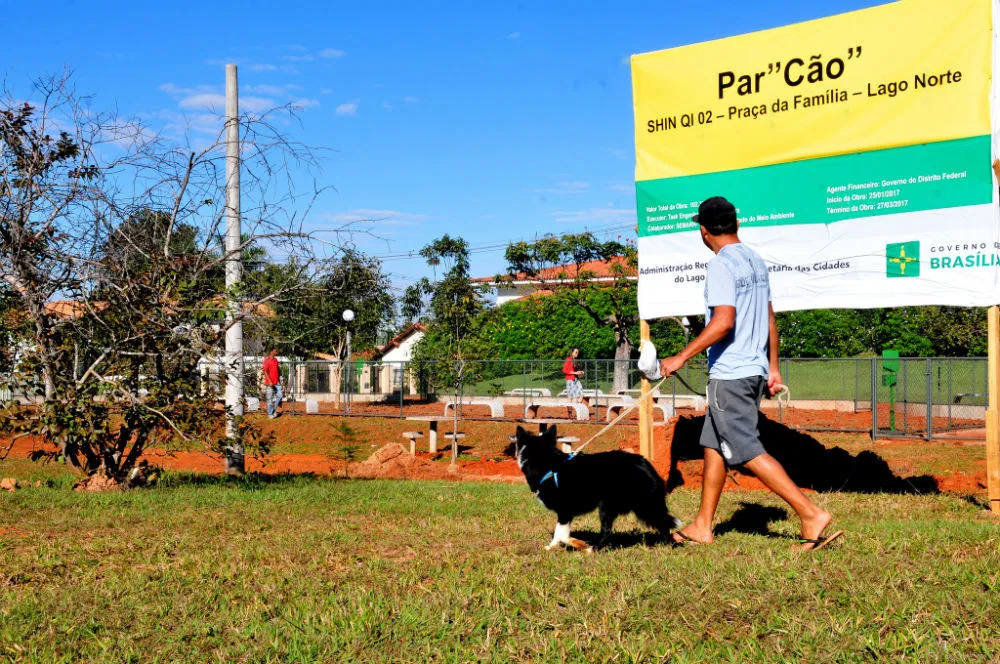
[(749, 518), (807, 461)]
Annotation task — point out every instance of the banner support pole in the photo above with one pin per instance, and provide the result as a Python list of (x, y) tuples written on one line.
[(645, 406), (993, 412)]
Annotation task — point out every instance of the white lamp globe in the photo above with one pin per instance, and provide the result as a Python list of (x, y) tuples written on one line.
[(348, 315)]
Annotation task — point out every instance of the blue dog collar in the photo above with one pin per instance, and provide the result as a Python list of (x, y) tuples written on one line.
[(553, 475)]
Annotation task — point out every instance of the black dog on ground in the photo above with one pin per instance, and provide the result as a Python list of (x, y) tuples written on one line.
[(614, 483)]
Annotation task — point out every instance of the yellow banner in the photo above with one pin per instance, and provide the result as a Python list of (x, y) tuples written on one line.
[(910, 72)]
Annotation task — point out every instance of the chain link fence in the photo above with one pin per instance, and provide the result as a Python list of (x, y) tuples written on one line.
[(912, 397)]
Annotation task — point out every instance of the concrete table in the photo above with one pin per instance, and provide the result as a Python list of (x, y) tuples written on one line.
[(432, 420)]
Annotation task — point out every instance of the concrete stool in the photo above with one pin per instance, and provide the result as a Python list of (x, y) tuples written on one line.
[(253, 404), (413, 436), (455, 436), (566, 443), (312, 406)]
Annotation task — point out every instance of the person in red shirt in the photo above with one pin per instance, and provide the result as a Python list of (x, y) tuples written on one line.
[(572, 375), (272, 383)]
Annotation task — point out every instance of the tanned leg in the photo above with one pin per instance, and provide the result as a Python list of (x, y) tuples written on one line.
[(773, 475), (700, 530)]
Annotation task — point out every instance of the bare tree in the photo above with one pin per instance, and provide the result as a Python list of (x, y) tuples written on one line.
[(110, 245)]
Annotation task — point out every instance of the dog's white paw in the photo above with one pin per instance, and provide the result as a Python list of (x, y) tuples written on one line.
[(553, 546)]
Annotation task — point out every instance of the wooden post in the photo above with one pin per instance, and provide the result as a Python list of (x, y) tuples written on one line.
[(993, 413), (645, 406)]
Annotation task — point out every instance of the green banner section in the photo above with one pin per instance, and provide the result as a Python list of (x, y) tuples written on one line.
[(821, 191)]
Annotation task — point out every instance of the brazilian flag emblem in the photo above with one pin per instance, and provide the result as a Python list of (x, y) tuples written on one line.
[(902, 259)]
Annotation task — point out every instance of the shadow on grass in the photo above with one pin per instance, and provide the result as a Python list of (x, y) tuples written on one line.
[(810, 464), (753, 519), (749, 518), (625, 539), (246, 482)]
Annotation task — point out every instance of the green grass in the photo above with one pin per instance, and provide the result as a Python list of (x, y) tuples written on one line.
[(297, 570)]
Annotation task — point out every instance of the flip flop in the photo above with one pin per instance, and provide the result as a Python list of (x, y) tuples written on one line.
[(687, 539), (820, 541)]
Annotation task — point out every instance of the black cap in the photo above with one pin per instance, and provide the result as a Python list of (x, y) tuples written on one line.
[(714, 209)]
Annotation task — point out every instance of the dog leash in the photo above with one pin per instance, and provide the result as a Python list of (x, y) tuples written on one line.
[(783, 391), (625, 411)]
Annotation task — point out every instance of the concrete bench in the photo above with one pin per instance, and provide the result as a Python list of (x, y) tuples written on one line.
[(615, 409), (496, 407), (688, 401), (588, 394), (581, 411), (530, 392)]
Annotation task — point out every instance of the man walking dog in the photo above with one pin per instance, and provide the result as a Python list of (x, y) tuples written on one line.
[(741, 337)]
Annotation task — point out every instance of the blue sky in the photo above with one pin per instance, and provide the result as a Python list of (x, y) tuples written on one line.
[(493, 122)]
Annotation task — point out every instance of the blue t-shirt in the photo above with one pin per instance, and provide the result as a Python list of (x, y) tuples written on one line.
[(737, 277)]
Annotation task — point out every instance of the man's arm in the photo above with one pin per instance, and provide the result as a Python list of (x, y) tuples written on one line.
[(774, 375), (723, 320)]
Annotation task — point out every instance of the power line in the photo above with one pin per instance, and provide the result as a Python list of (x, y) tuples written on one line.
[(488, 248)]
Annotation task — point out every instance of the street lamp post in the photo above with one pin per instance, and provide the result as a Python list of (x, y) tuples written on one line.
[(348, 316)]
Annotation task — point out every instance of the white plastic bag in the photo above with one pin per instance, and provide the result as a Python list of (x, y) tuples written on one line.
[(648, 364)]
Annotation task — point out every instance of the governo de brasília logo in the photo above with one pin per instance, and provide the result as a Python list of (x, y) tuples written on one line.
[(902, 259)]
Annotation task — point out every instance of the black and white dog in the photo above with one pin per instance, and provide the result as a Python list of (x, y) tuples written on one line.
[(614, 483)]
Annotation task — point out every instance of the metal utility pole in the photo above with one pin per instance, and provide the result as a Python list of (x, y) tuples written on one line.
[(234, 274)]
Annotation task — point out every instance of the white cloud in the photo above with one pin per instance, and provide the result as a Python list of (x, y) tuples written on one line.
[(273, 90), (384, 217), (172, 89), (215, 101), (263, 67), (387, 106), (297, 58), (621, 186), (411, 100), (331, 53), (572, 187), (326, 91), (348, 108), (305, 103), (182, 124), (605, 214), (514, 35), (202, 101)]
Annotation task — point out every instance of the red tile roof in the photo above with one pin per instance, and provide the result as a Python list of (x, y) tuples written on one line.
[(595, 269)]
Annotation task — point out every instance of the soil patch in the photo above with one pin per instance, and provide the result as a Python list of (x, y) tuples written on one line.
[(818, 461)]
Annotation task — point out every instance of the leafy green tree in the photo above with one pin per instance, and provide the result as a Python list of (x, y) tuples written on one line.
[(310, 319), (559, 263)]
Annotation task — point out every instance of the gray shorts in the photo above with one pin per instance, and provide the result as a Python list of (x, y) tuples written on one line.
[(731, 421)]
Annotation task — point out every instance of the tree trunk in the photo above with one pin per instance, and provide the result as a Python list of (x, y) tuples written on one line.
[(623, 352)]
